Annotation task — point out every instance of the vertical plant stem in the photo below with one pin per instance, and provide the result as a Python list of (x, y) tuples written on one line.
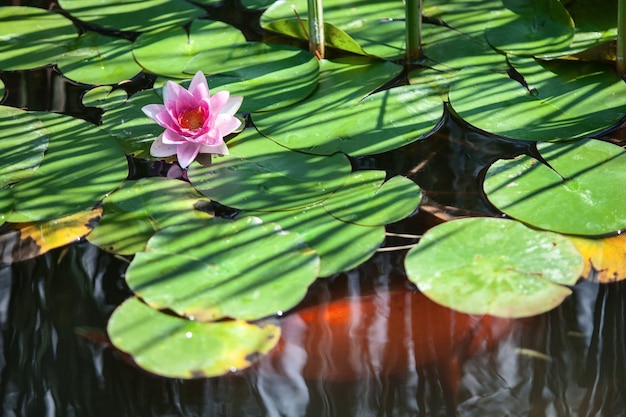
[(621, 38), (316, 28), (413, 15)]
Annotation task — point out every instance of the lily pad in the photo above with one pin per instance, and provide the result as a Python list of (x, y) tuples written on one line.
[(580, 193), (366, 200), (268, 76), (562, 100), (98, 59), (494, 266), (21, 241), (212, 269), (531, 27), (342, 116), (32, 37), (175, 347), (167, 52), (132, 15), (605, 257), (261, 175), (23, 141), (128, 124), (340, 245), (82, 164), (140, 208)]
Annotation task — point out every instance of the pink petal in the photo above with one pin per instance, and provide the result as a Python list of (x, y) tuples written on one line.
[(210, 137), (220, 149), (227, 124), (232, 105), (151, 110), (160, 149), (170, 137), (186, 153), (217, 101), (171, 91), (199, 87)]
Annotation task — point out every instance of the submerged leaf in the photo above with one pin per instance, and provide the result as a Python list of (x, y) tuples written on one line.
[(494, 266), (176, 347)]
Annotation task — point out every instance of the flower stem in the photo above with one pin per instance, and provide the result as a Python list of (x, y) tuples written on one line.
[(316, 28), (413, 14)]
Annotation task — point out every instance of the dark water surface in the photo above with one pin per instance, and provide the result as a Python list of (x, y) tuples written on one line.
[(54, 360)]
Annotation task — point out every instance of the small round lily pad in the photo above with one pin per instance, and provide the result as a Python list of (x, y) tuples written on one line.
[(494, 266)]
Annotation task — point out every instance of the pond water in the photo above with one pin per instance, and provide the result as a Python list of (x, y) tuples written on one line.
[(368, 346)]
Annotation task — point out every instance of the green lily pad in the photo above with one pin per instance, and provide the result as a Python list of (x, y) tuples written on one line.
[(82, 165), (2, 90), (563, 101), (531, 27), (32, 37), (125, 121), (581, 193), (341, 116), (340, 245), (140, 208), (595, 21), (132, 15), (494, 266), (212, 269), (98, 59), (23, 141), (267, 76), (175, 347), (365, 199), (167, 52), (261, 175)]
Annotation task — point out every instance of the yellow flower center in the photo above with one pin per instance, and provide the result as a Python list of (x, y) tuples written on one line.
[(191, 119)]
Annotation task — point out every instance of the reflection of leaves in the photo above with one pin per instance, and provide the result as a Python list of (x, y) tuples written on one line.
[(606, 256), (21, 241), (179, 348), (494, 266)]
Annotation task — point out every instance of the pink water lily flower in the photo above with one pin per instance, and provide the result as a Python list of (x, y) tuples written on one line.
[(194, 121)]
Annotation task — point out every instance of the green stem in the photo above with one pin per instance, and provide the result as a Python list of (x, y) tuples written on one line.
[(621, 38), (413, 14), (316, 28)]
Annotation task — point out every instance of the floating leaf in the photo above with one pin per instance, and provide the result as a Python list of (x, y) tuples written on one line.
[(167, 52), (82, 164), (340, 116), (365, 199), (32, 37), (175, 347), (21, 241), (132, 15), (606, 257), (494, 266), (340, 245), (23, 141), (261, 175), (212, 269), (580, 193), (267, 76), (98, 59), (531, 27), (140, 208), (562, 100), (129, 125)]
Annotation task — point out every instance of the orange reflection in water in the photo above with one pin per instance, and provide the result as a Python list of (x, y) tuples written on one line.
[(381, 334)]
